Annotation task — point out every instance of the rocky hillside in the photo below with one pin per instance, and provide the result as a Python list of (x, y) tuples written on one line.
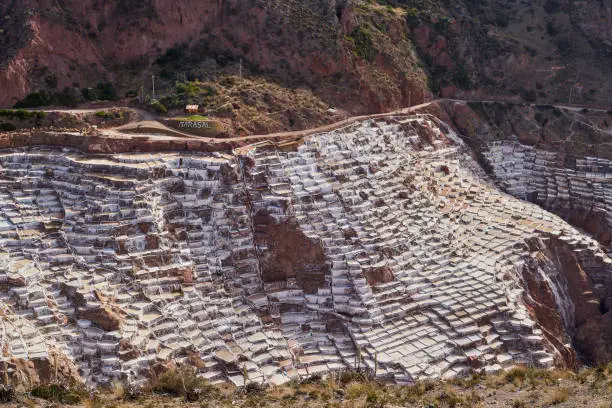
[(357, 56)]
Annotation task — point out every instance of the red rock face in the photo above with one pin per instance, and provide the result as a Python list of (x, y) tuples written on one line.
[(109, 32), (83, 43), (573, 306)]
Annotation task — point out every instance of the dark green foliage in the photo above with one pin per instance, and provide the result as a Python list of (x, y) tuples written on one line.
[(564, 46), (51, 81), (89, 94), (172, 54), (21, 114), (167, 74), (7, 393), (462, 78), (183, 382), (107, 92), (56, 393), (539, 117), (253, 388), (552, 6), (551, 29), (412, 17), (158, 107), (529, 95), (477, 107), (66, 98), (441, 25), (433, 85), (104, 91), (502, 20), (364, 46), (34, 100), (7, 127)]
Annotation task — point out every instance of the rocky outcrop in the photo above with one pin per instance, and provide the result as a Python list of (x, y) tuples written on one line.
[(567, 290), (103, 316), (289, 254), (27, 374)]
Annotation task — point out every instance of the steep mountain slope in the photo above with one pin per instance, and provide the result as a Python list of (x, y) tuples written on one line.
[(293, 42), (360, 56)]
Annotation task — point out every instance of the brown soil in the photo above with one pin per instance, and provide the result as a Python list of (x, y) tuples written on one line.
[(377, 276), (290, 254), (104, 317)]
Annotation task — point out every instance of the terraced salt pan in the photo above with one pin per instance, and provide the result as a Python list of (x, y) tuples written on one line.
[(126, 261), (584, 184)]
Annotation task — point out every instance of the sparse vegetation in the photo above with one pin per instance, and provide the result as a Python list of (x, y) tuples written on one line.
[(104, 91), (7, 127), (58, 393), (182, 382), (520, 387), (559, 396), (21, 114), (364, 46), (158, 107)]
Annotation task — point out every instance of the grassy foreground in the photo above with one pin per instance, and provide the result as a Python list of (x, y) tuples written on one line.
[(517, 388)]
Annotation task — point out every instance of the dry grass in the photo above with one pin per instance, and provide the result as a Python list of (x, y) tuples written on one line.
[(517, 388), (559, 396)]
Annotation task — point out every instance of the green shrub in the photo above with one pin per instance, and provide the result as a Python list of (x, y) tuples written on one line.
[(158, 107), (66, 98), (412, 17), (529, 95), (104, 115), (172, 55), (7, 127), (104, 91), (35, 100), (22, 114), (183, 382), (564, 46), (107, 92), (552, 6), (57, 393), (462, 78), (188, 89), (364, 46)]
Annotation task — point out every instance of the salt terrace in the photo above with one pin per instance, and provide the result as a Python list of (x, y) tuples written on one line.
[(123, 261)]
